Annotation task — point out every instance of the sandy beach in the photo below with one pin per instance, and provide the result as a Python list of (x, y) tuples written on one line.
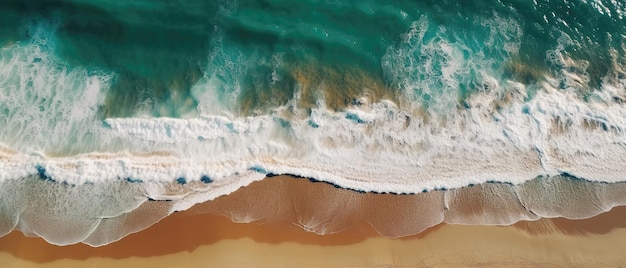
[(196, 239), (308, 133), (212, 241)]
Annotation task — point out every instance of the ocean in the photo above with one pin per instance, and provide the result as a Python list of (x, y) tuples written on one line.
[(113, 108)]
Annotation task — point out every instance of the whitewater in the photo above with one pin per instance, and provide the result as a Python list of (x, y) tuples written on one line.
[(70, 174)]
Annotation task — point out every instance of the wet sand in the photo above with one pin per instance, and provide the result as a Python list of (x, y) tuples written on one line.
[(196, 239), (214, 241)]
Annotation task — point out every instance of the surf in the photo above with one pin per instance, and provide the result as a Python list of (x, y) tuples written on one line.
[(423, 105)]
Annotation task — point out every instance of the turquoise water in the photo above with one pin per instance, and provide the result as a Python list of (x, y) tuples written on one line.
[(185, 101), (251, 49)]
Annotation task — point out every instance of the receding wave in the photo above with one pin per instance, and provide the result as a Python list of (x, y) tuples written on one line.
[(102, 213), (489, 116)]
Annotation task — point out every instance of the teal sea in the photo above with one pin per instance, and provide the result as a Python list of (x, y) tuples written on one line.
[(142, 100)]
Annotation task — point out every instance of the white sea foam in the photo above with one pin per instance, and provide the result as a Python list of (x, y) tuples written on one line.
[(44, 104), (385, 150), (50, 131), (378, 147)]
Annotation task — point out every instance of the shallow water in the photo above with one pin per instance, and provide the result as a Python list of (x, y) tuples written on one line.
[(187, 101)]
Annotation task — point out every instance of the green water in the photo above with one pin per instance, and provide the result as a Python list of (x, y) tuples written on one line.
[(261, 53)]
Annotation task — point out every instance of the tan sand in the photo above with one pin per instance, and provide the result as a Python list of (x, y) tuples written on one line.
[(195, 239), (213, 241)]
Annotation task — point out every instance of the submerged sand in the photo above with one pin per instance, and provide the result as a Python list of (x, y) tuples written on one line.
[(203, 237), (214, 241)]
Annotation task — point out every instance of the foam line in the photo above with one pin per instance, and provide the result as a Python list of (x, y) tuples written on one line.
[(52, 144), (65, 214)]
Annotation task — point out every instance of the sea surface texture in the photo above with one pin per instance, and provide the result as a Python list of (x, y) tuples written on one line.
[(114, 114)]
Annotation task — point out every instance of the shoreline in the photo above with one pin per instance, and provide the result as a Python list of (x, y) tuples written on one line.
[(321, 208), (206, 235), (200, 240)]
